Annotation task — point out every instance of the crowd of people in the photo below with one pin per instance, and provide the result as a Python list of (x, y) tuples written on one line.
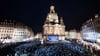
[(58, 49), (35, 48)]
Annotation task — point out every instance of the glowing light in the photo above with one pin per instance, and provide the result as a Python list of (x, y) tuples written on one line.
[(53, 38)]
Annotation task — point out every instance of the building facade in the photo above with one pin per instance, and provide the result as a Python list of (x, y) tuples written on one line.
[(16, 31), (91, 29), (53, 25), (73, 34)]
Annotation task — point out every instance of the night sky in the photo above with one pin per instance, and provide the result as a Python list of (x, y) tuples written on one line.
[(33, 12)]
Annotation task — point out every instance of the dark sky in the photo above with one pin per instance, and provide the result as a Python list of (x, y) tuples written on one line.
[(34, 12)]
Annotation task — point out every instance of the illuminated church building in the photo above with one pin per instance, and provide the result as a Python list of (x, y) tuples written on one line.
[(53, 26)]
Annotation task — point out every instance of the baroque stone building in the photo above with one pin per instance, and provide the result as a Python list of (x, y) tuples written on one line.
[(91, 29), (53, 25), (13, 31)]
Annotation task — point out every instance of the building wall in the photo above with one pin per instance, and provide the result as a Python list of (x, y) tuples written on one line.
[(91, 29), (14, 30), (73, 34), (6, 31)]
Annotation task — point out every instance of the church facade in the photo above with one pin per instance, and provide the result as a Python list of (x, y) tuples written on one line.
[(53, 25)]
